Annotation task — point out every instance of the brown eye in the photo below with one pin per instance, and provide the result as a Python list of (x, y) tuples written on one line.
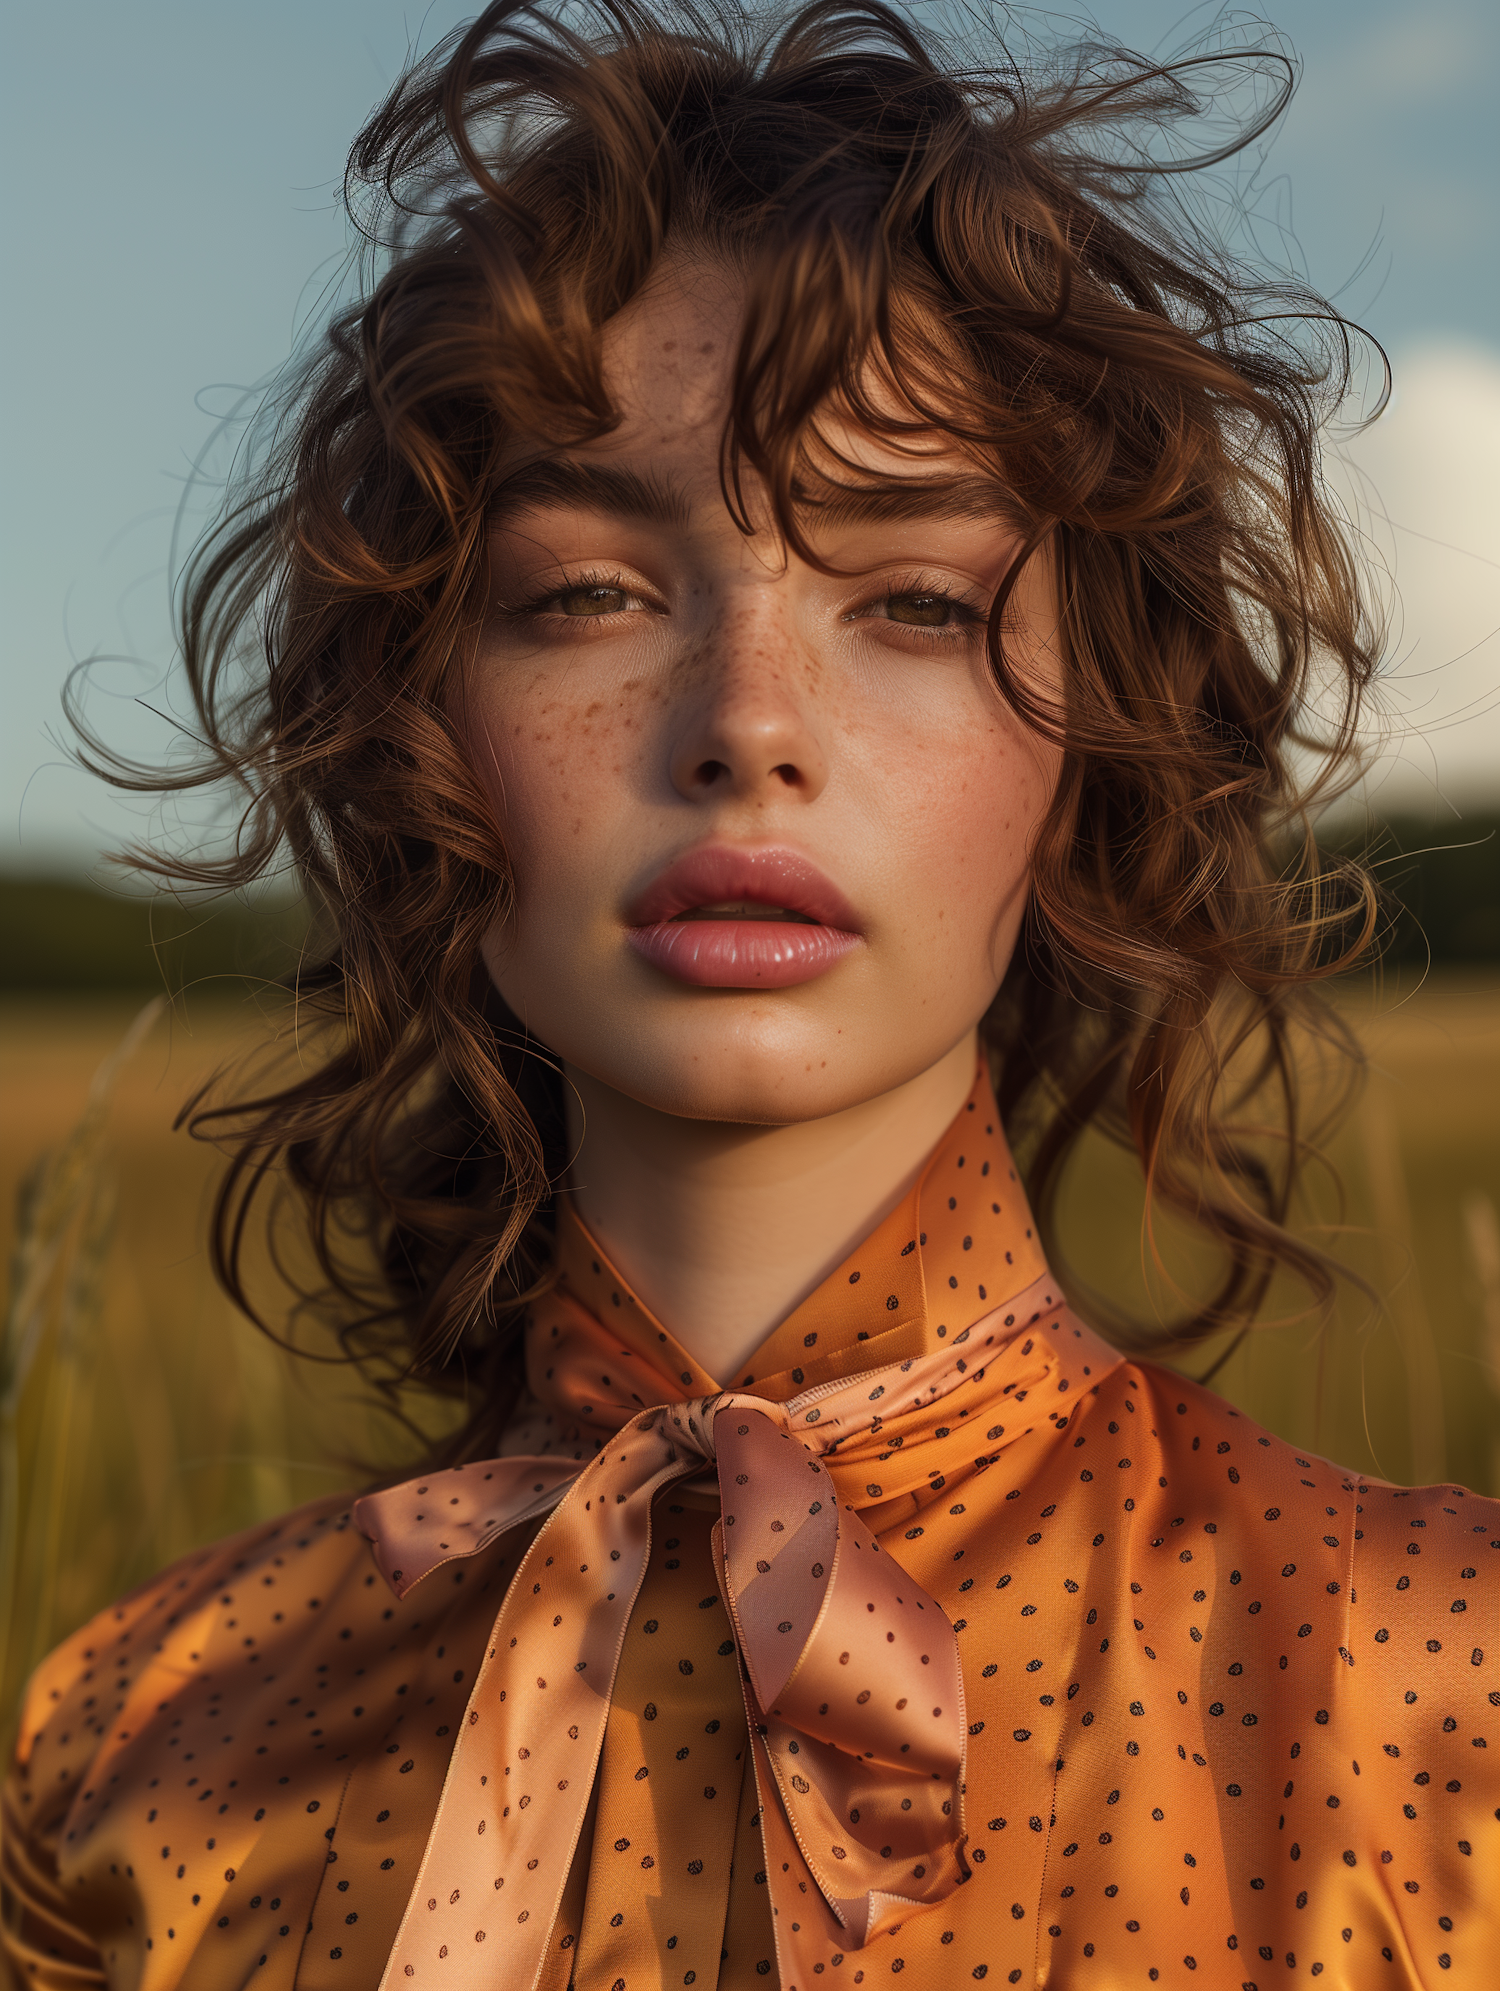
[(920, 611), (591, 601)]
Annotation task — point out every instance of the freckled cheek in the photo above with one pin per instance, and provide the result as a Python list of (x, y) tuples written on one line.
[(964, 790), (963, 840), (562, 774)]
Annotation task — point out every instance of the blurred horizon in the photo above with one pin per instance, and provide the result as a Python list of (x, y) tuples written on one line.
[(185, 222)]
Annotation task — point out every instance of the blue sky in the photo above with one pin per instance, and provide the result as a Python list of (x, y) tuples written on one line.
[(173, 166)]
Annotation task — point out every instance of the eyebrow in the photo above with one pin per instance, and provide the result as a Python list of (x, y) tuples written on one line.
[(597, 487), (648, 498), (898, 502)]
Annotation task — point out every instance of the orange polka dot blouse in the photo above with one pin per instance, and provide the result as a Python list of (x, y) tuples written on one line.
[(945, 1644)]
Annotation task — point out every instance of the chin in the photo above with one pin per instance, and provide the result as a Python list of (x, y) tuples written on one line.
[(725, 1055), (739, 1061), (742, 1086)]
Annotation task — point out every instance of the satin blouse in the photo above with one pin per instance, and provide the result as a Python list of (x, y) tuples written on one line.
[(944, 1643)]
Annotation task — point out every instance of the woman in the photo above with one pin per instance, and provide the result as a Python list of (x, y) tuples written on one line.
[(782, 624)]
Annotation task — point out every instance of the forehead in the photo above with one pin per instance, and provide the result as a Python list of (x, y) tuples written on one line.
[(668, 361), (668, 356)]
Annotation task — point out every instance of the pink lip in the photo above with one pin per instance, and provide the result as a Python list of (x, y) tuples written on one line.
[(742, 953)]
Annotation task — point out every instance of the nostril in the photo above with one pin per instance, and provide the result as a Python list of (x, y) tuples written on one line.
[(788, 774), (710, 771)]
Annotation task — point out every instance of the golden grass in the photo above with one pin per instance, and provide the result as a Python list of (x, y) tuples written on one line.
[(65, 1209), (1409, 1388), (141, 1416)]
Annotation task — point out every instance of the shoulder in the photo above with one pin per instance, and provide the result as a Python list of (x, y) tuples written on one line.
[(1274, 1487), (1205, 1441), (1399, 1585), (86, 1693), (1335, 1649), (263, 1673)]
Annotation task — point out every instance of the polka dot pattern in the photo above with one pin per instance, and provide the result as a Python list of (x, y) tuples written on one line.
[(858, 1768), (1228, 1712)]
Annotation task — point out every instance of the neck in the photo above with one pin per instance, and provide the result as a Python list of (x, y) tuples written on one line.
[(722, 1229)]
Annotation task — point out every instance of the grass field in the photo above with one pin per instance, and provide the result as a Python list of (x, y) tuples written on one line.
[(140, 1415)]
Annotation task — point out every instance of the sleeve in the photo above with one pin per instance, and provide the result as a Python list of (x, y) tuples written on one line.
[(42, 1949), (47, 1932), (1423, 1688)]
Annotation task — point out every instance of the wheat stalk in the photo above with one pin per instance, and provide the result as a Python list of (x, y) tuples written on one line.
[(64, 1227)]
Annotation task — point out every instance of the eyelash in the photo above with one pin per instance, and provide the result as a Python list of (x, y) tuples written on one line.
[(537, 604), (969, 613)]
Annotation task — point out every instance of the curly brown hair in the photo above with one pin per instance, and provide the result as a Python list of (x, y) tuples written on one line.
[(1153, 406)]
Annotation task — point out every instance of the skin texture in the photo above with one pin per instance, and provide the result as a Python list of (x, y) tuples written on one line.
[(732, 1144)]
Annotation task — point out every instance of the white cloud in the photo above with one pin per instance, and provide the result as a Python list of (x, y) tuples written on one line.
[(1423, 485)]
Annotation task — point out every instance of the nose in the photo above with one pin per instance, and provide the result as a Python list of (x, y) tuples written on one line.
[(750, 724)]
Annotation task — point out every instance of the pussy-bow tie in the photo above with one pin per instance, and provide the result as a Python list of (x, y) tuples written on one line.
[(850, 1670)]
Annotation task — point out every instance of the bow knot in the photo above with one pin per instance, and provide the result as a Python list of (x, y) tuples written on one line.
[(852, 1685), (850, 1669)]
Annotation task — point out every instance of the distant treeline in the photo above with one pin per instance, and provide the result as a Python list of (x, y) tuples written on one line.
[(61, 936), (1440, 883)]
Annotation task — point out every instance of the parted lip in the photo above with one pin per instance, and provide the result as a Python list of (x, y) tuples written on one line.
[(718, 874)]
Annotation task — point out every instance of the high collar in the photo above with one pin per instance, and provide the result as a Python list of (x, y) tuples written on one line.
[(864, 1407), (959, 1242)]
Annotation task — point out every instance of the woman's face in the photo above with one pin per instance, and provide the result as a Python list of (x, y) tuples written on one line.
[(768, 824)]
